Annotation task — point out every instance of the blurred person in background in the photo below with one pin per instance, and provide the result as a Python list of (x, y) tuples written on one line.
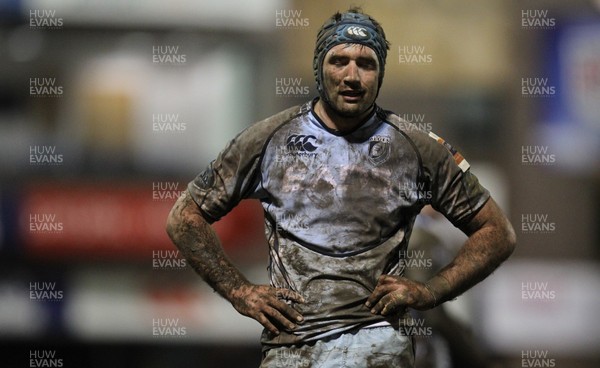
[(341, 181)]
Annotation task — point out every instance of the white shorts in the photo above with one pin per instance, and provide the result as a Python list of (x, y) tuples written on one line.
[(368, 347)]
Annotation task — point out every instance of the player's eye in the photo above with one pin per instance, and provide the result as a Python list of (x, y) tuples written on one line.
[(368, 64), (338, 61)]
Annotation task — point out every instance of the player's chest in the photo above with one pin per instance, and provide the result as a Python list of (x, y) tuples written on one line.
[(315, 164)]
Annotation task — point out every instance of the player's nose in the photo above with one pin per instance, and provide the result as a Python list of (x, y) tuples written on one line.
[(351, 73)]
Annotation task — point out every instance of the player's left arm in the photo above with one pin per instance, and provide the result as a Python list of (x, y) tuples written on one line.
[(491, 240)]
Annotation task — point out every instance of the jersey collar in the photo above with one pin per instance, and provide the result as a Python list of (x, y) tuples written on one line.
[(367, 123)]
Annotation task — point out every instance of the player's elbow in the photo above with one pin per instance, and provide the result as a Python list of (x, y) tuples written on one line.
[(183, 219), (509, 238), (501, 230), (173, 222), (175, 218)]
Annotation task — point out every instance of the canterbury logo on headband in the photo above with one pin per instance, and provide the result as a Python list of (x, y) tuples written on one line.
[(358, 33)]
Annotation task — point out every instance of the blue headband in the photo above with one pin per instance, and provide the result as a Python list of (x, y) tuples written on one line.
[(351, 28)]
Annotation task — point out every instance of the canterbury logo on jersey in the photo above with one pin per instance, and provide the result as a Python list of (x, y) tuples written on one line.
[(356, 32), (303, 143)]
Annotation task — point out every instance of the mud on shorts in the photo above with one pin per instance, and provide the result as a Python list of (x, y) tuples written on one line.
[(366, 348)]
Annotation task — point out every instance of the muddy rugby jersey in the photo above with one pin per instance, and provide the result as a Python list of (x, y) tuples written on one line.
[(339, 208)]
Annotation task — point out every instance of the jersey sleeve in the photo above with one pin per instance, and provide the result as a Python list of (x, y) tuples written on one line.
[(455, 190), (235, 173), (226, 181)]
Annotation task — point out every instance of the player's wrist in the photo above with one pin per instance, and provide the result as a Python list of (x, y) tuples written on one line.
[(440, 289), (237, 290), (433, 302)]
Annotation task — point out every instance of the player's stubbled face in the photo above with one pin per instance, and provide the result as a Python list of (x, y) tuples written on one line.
[(350, 73)]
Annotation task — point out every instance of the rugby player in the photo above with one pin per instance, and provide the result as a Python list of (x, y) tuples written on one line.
[(341, 181)]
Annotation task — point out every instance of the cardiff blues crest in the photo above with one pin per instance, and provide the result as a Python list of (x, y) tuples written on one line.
[(379, 149)]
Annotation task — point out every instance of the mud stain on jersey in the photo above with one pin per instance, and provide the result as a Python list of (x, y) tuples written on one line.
[(321, 193)]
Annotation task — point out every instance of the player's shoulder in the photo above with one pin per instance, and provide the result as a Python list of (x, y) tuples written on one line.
[(260, 131), (418, 133), (431, 146), (281, 117)]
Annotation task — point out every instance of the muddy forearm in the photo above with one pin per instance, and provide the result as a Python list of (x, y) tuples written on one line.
[(491, 241), (201, 247)]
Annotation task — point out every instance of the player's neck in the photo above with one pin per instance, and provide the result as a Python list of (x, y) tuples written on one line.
[(336, 121)]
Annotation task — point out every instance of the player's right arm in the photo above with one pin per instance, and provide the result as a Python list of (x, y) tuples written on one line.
[(230, 178), (201, 247)]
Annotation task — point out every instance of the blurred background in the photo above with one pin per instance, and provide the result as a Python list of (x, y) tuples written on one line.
[(109, 108)]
